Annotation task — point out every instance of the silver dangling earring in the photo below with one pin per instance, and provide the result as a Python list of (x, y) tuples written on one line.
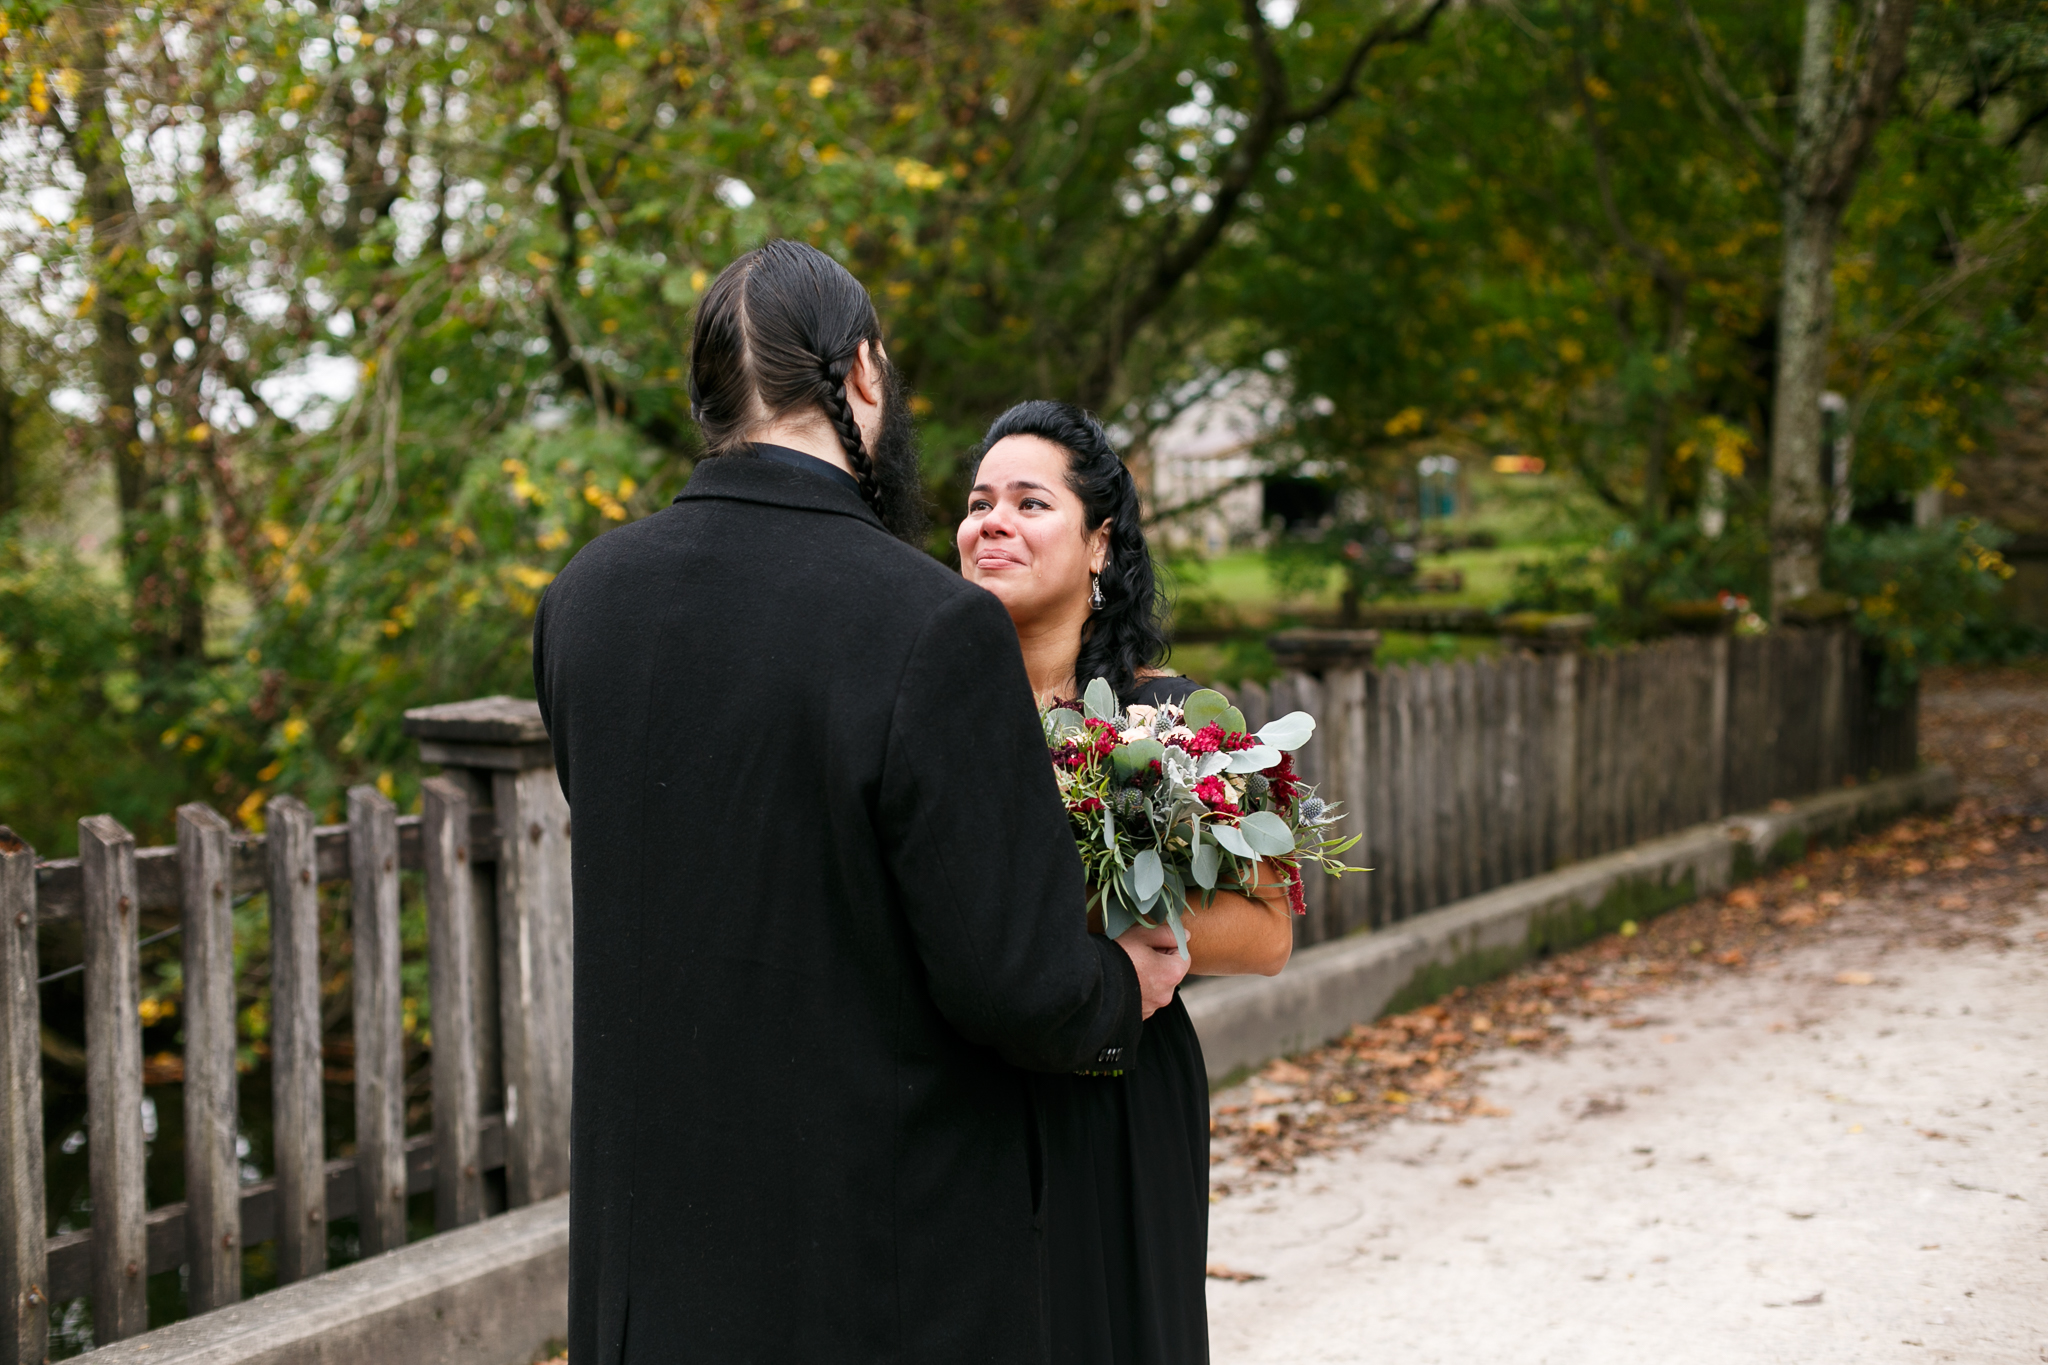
[(1095, 591)]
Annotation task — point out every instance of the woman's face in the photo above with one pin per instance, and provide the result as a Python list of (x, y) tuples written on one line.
[(1025, 537)]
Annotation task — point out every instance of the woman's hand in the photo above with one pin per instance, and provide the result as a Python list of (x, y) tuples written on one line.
[(1239, 935)]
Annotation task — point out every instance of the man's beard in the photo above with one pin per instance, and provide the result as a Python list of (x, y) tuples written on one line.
[(899, 479)]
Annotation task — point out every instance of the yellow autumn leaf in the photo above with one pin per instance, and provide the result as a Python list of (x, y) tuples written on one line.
[(1405, 422), (917, 175)]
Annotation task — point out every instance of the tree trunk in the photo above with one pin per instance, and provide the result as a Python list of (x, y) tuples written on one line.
[(1806, 312), (1843, 89), (10, 456), (163, 523)]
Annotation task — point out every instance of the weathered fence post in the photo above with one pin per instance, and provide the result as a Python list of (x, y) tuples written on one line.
[(451, 990), (1564, 755), (297, 1108), (1717, 727), (113, 1079), (24, 1266), (379, 1021), (213, 1187), (503, 738), (1833, 757)]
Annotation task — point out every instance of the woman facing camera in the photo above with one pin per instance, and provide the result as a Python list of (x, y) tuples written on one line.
[(1052, 530)]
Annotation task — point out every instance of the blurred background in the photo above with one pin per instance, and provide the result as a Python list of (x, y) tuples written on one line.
[(332, 330)]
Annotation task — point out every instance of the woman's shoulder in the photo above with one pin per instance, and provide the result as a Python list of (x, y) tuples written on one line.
[(1157, 689)]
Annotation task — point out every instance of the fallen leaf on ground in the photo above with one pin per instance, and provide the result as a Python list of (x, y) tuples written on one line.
[(1854, 978), (1218, 1271), (1798, 916), (1637, 1022), (1284, 1072)]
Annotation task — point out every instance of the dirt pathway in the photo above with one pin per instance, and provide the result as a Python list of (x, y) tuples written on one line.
[(1807, 1123)]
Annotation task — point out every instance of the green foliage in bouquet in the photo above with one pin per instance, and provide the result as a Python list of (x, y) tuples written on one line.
[(1169, 800)]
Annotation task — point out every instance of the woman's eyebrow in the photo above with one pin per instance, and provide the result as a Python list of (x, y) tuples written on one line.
[(1014, 484)]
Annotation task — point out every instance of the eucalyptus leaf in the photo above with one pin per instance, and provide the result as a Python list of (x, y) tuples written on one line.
[(1067, 725), (1232, 840), (1147, 875), (1203, 865), (1290, 732), (1131, 759), (1100, 699), (1232, 721), (1180, 934), (1218, 762), (1108, 831), (1204, 707), (1116, 920), (1256, 759), (1267, 833)]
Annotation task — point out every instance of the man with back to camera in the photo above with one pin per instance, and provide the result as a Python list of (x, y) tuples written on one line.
[(827, 900)]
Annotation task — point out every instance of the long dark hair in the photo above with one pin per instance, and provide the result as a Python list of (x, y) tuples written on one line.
[(1127, 635), (777, 332)]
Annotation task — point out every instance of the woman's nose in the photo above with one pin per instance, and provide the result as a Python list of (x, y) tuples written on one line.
[(996, 523)]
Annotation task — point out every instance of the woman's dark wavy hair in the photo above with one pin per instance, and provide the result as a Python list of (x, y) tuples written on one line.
[(778, 331), (1128, 635)]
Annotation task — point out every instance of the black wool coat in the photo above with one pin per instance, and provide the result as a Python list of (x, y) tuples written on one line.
[(826, 905)]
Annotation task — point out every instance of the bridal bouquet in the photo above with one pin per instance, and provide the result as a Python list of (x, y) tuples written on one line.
[(1172, 798)]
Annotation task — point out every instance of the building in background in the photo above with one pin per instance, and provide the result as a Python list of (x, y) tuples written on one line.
[(1210, 463)]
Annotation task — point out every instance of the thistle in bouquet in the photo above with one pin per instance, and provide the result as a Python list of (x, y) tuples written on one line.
[(1168, 801)]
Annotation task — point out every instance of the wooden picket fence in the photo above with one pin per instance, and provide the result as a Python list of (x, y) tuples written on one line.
[(1462, 777), (493, 843)]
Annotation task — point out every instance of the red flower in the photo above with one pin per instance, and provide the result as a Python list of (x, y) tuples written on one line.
[(1206, 740), (1087, 803), (1285, 785), (1232, 743), (1296, 897), (1213, 794)]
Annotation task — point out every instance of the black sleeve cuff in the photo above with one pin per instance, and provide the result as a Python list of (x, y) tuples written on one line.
[(1120, 976)]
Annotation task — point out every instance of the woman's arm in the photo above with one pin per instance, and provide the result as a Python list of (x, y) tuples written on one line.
[(1237, 935)]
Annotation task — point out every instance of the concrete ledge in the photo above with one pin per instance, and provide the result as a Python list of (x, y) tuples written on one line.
[(1245, 1021), (488, 1294)]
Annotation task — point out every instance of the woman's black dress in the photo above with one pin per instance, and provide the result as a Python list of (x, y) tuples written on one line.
[(1127, 1190)]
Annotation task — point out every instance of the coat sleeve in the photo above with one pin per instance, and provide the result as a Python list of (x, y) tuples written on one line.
[(543, 693), (979, 844)]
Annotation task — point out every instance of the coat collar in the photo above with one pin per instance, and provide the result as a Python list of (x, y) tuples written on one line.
[(745, 478)]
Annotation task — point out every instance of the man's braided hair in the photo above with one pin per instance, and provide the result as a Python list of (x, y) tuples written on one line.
[(778, 332)]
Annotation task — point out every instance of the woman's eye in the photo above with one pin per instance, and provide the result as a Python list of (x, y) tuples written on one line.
[(1034, 502)]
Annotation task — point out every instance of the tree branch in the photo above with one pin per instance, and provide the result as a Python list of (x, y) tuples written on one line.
[(1710, 69), (1175, 259), (1852, 124), (1389, 33), (2027, 125)]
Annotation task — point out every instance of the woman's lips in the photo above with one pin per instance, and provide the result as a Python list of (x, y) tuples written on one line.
[(996, 559)]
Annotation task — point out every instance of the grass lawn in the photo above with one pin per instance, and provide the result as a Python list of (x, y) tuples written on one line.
[(1240, 582)]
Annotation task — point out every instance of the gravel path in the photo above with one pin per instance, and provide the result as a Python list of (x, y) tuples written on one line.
[(1836, 1150)]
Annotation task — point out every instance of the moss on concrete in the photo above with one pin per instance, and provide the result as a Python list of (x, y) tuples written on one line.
[(1632, 898), (1790, 848), (1439, 979)]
